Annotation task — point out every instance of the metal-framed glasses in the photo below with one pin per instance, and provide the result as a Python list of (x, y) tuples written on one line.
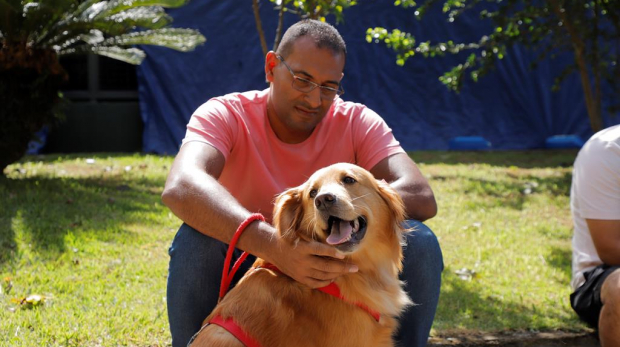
[(306, 86)]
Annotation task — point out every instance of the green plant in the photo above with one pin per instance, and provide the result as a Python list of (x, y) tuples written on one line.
[(33, 35), (589, 30), (304, 9)]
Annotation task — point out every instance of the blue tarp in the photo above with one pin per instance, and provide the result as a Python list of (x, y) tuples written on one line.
[(513, 107)]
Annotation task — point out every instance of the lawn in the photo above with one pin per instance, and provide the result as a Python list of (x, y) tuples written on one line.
[(83, 246)]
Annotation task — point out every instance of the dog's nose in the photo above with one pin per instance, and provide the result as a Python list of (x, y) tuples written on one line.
[(324, 201)]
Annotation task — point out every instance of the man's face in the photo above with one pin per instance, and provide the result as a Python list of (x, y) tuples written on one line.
[(293, 115)]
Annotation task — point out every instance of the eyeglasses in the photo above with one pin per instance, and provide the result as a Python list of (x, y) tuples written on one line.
[(306, 86)]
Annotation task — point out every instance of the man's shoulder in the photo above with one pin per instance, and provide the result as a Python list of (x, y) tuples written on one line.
[(343, 106), (354, 112), (249, 97), (606, 136), (238, 103)]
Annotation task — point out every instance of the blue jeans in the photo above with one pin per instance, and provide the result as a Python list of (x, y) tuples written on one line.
[(195, 272)]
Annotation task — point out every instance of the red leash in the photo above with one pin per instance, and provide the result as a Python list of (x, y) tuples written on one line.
[(227, 277)]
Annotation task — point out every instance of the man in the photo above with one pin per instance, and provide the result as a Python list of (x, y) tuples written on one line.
[(595, 204), (242, 149)]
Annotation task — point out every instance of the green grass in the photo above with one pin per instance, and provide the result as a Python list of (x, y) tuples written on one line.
[(92, 239)]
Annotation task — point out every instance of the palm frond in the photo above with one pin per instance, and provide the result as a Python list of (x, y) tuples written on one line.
[(71, 28), (116, 6), (129, 55), (183, 40), (39, 17)]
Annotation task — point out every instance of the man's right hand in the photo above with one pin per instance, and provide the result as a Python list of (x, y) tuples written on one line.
[(310, 262)]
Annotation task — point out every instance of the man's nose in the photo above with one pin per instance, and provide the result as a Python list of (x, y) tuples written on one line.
[(314, 98)]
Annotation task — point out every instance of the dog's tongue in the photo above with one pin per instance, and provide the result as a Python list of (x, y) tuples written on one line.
[(340, 233)]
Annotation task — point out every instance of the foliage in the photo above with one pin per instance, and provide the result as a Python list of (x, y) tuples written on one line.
[(589, 30), (91, 238), (34, 34), (313, 9)]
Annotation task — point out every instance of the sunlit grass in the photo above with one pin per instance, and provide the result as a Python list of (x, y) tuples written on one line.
[(91, 238), (505, 218)]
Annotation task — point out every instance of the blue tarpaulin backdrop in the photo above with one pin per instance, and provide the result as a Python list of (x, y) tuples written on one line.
[(513, 107)]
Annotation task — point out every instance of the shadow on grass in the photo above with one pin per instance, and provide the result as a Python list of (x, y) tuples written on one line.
[(512, 193), (462, 306), (521, 159), (561, 258), (42, 211)]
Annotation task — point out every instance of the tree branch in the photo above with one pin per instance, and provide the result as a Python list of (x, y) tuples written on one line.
[(259, 27), (276, 42)]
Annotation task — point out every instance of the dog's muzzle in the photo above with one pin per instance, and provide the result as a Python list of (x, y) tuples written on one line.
[(345, 234)]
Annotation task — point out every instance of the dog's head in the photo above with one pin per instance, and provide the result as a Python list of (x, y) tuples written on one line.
[(342, 205)]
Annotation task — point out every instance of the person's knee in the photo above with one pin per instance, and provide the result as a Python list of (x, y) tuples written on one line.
[(610, 292), (422, 246), (191, 242)]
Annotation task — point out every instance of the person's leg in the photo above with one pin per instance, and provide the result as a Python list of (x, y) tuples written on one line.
[(609, 319), (423, 264), (194, 276)]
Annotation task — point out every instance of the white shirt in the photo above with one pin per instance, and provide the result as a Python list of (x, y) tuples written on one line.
[(595, 194)]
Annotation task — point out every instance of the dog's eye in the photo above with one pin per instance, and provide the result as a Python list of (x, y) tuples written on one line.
[(349, 180), (313, 193)]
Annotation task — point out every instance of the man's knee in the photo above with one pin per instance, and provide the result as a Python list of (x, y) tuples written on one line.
[(191, 243), (610, 291), (422, 246)]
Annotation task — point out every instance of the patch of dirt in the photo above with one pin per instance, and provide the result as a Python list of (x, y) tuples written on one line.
[(516, 338)]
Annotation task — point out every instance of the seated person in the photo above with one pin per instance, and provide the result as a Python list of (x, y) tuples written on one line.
[(595, 205), (243, 149)]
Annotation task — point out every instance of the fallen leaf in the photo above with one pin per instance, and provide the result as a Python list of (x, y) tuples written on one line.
[(31, 301), (466, 274)]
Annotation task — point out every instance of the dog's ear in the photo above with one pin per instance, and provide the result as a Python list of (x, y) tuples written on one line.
[(393, 200), (287, 213)]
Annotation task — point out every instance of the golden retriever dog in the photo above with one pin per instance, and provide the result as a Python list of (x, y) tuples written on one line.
[(345, 206)]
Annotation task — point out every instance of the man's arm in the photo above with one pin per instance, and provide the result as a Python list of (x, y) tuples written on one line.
[(193, 194), (606, 238), (404, 176)]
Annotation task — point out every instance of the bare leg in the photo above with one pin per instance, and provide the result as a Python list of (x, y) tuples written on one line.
[(609, 321)]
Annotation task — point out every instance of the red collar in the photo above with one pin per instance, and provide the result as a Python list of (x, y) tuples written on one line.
[(333, 290)]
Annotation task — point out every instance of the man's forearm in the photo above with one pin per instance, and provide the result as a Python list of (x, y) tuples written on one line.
[(203, 203), (419, 201)]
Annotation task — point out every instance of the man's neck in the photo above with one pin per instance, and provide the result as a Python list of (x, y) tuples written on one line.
[(282, 132)]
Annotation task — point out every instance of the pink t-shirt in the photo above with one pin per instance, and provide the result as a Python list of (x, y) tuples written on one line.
[(259, 166)]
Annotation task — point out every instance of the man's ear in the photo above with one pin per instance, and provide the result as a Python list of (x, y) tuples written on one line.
[(271, 61), (287, 213)]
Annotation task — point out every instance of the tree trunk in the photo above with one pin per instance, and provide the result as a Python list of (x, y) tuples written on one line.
[(593, 101)]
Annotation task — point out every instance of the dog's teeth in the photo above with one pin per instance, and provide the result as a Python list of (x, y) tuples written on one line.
[(355, 224)]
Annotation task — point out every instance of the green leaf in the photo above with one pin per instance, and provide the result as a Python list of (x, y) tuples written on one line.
[(115, 6), (183, 40), (129, 55), (133, 56)]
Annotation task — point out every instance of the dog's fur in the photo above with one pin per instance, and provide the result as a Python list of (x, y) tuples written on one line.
[(277, 311)]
